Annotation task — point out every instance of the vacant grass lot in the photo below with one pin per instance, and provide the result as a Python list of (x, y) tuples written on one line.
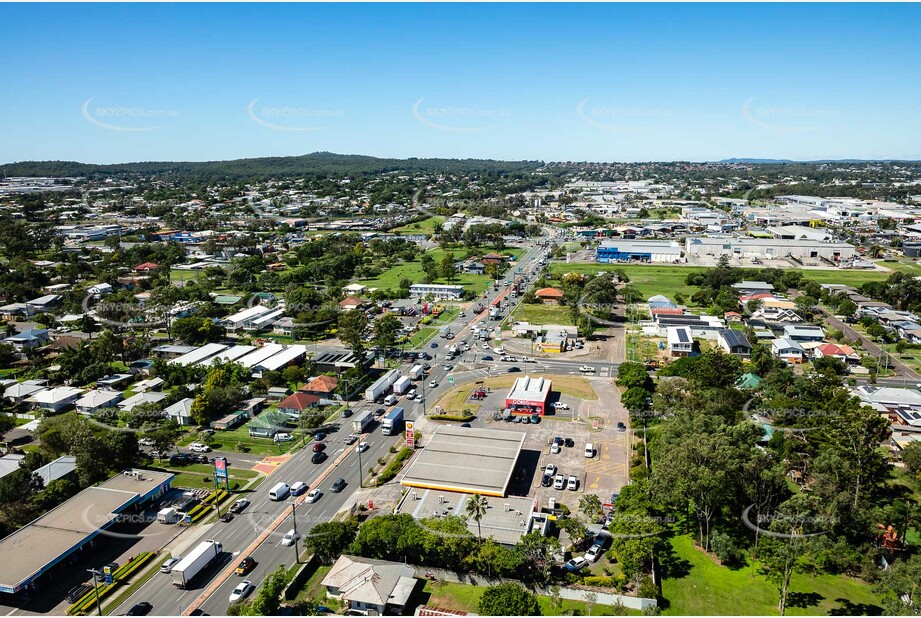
[(229, 441), (465, 598), (541, 314), (712, 590), (421, 227)]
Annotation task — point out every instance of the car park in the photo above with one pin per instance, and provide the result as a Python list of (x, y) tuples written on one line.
[(167, 566), (573, 483), (318, 457), (313, 496), (559, 482), (338, 485), (246, 565), (241, 591), (291, 538)]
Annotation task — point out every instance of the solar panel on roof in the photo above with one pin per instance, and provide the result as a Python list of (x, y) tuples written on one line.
[(683, 336)]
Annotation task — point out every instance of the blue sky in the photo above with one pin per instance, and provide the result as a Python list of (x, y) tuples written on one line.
[(613, 82)]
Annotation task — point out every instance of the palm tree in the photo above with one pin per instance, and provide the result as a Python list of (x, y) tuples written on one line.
[(476, 509)]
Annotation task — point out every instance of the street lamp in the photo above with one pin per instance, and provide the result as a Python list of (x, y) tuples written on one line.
[(96, 573), (361, 475), (293, 503)]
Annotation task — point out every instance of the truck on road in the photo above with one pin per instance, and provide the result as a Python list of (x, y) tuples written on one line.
[(194, 561), (444, 331), (360, 424), (401, 385), (393, 422), (382, 385), (417, 372)]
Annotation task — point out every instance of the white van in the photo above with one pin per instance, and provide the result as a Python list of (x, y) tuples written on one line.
[(279, 492), (390, 400), (589, 450), (299, 488)]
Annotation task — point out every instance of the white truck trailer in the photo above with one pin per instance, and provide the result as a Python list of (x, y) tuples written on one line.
[(402, 385), (382, 386), (194, 561)]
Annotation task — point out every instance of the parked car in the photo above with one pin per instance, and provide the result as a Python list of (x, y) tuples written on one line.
[(621, 426), (198, 447), (554, 448), (559, 405), (576, 564), (318, 457), (241, 591), (246, 565), (559, 482), (550, 469), (594, 552), (569, 442), (589, 450), (167, 566), (546, 481), (573, 483)]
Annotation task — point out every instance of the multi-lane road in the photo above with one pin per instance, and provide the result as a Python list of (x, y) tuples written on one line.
[(241, 536)]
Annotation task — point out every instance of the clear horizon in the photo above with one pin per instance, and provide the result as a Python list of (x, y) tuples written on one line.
[(608, 83)]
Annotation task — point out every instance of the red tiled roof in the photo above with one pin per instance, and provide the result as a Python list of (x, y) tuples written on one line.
[(427, 610), (321, 384), (549, 293), (298, 401), (351, 301), (667, 311), (147, 266)]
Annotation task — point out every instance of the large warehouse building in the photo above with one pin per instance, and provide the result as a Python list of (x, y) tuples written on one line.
[(638, 250), (36, 549), (528, 395), (768, 248)]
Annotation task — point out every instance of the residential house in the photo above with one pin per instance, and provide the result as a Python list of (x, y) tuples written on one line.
[(141, 398), (96, 400), (60, 468), (844, 353), (787, 350), (55, 399), (21, 391), (901, 405), (28, 339), (150, 384), (146, 267), (294, 405), (350, 303), (733, 342), (752, 287), (777, 314), (277, 393), (268, 424), (680, 342), (550, 296), (43, 304), (373, 587), (322, 386), (113, 381), (805, 332), (180, 412), (732, 316), (284, 326), (14, 310), (354, 289)]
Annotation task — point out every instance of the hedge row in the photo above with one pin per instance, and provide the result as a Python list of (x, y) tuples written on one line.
[(88, 601), (460, 418), (204, 507), (394, 466)]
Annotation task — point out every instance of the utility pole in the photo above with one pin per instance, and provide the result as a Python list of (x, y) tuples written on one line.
[(297, 557), (95, 574), (361, 474)]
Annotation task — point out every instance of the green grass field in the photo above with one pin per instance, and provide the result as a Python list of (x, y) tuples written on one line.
[(228, 441), (712, 590), (421, 227), (390, 278), (462, 597), (541, 314), (905, 265)]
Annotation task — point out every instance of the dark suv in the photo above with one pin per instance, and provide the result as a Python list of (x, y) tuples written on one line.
[(318, 457), (338, 485)]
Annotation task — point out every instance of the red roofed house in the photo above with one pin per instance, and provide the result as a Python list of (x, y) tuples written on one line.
[(550, 296), (350, 303), (492, 258), (294, 405), (321, 386), (843, 353), (733, 316), (666, 311), (146, 267)]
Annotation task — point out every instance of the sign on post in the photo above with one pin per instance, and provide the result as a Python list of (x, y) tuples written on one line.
[(220, 470), (410, 435), (450, 379), (107, 575)]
